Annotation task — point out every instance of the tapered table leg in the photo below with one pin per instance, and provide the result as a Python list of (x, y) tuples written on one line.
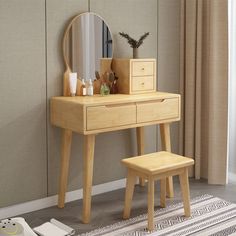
[(166, 146), (65, 160), (140, 145), (88, 158)]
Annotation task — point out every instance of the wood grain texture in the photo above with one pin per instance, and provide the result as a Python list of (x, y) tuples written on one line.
[(67, 115), (116, 98), (165, 137), (158, 110), (105, 65), (65, 160), (151, 191), (130, 183), (163, 193), (159, 165), (135, 75), (184, 184), (122, 70), (66, 86), (100, 117), (141, 147), (88, 158), (143, 67), (142, 84), (83, 114), (100, 114), (157, 162), (166, 145), (140, 140)]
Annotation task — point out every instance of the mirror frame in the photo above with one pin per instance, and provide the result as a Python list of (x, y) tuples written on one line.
[(67, 32)]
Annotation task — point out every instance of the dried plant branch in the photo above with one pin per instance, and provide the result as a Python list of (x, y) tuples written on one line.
[(140, 41), (132, 42)]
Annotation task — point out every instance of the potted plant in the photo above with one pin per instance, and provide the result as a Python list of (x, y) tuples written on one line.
[(135, 44)]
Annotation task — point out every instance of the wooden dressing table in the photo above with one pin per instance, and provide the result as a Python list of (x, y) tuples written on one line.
[(97, 114)]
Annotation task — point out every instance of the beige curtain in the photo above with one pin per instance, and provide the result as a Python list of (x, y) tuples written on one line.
[(204, 87)]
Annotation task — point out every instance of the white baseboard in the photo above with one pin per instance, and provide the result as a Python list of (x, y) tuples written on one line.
[(232, 177), (39, 204)]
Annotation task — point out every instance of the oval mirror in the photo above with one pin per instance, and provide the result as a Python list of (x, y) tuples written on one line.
[(87, 39)]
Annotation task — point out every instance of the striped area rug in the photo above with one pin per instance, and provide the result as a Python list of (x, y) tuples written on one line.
[(211, 216)]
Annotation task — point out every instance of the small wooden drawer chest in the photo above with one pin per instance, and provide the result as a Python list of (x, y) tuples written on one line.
[(135, 75)]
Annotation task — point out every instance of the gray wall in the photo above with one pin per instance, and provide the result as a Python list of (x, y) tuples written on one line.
[(169, 55), (31, 69), (23, 159)]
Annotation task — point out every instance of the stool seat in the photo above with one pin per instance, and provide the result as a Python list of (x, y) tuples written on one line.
[(157, 162), (153, 166)]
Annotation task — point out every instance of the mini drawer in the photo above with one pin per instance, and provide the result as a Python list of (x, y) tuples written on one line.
[(131, 73), (142, 68), (158, 110), (100, 117), (142, 83)]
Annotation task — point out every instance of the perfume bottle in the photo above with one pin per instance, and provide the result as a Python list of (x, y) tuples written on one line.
[(83, 88), (90, 88)]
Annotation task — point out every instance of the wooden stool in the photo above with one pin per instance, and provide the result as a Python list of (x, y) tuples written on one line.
[(159, 165)]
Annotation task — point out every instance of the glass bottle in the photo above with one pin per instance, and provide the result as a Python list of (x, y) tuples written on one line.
[(90, 88), (104, 89), (83, 88)]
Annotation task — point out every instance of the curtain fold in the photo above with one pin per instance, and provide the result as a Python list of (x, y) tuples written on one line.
[(204, 87)]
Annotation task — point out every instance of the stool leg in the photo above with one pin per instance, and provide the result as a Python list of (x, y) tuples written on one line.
[(163, 192), (170, 187), (150, 204), (185, 192), (130, 182)]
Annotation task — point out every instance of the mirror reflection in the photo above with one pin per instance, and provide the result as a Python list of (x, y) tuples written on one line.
[(86, 41)]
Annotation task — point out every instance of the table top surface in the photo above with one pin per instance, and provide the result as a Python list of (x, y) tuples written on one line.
[(98, 99)]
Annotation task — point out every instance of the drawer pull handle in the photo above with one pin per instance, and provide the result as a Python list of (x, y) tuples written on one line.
[(143, 68), (119, 105), (151, 102), (142, 83)]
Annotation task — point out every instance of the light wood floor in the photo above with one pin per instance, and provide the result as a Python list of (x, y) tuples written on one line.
[(107, 208)]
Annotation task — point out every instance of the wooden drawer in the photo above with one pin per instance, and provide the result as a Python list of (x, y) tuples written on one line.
[(141, 68), (141, 83), (101, 117), (158, 110)]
